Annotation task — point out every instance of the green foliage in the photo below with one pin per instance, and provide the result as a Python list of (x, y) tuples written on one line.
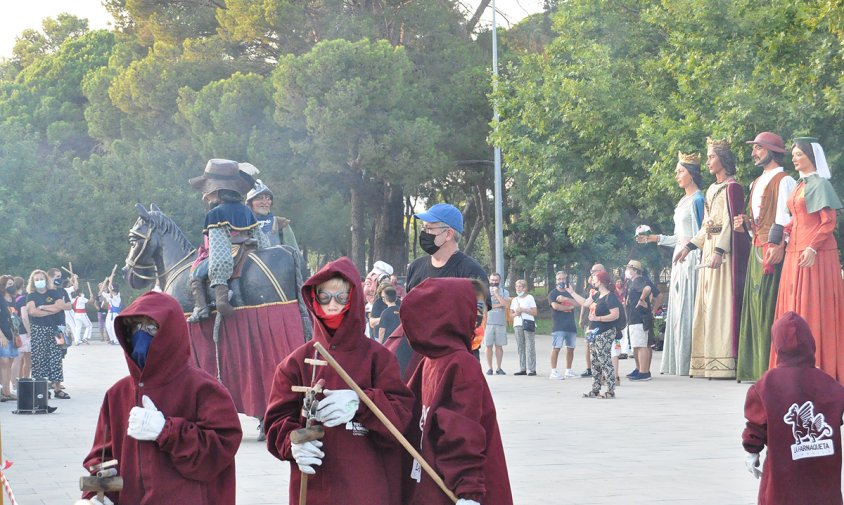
[(592, 124)]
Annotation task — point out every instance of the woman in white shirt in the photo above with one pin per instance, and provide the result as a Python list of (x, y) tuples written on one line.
[(523, 309)]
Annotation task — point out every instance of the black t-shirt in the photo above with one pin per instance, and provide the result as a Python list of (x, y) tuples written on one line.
[(46, 298), (389, 321), (20, 303), (563, 321), (634, 294), (378, 307), (603, 305), (459, 265)]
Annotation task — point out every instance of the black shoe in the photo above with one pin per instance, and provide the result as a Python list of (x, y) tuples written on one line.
[(530, 374), (489, 372), (50, 410), (522, 372), (587, 373)]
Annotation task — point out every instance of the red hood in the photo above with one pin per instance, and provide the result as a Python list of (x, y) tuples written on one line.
[(793, 341), (438, 316), (353, 327), (169, 351)]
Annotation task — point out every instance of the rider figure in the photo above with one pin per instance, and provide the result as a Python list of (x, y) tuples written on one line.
[(228, 221), (260, 200)]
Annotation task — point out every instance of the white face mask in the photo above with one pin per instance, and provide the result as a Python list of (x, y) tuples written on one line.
[(628, 274), (40, 284), (520, 293)]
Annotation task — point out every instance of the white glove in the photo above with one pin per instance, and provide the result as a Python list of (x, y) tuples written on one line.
[(751, 461), (145, 423), (464, 501), (338, 407), (307, 455), (94, 501)]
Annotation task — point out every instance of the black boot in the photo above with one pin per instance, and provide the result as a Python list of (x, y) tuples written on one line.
[(200, 310)]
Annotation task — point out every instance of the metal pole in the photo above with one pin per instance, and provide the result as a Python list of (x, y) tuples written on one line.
[(499, 208)]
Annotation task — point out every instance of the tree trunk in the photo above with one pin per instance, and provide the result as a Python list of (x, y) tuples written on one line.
[(358, 205), (390, 237)]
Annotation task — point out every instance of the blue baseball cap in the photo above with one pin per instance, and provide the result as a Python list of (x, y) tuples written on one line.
[(443, 213)]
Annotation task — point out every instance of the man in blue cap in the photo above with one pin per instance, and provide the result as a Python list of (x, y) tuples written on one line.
[(442, 226)]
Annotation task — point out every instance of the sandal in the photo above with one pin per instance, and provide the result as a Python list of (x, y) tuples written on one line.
[(591, 394), (609, 395), (61, 395)]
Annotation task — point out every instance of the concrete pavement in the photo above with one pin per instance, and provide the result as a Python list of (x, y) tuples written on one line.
[(671, 440)]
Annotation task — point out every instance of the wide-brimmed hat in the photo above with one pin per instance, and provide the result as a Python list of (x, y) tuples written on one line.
[(223, 174), (635, 264), (770, 141)]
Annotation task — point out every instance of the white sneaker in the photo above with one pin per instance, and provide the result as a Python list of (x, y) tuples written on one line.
[(555, 374), (571, 373)]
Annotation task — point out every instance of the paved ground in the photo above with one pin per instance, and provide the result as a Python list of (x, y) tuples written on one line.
[(672, 440)]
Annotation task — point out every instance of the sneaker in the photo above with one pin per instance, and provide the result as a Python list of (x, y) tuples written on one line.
[(489, 372), (532, 374), (555, 374), (521, 372), (500, 372), (622, 356), (641, 377), (634, 373), (587, 373), (570, 374)]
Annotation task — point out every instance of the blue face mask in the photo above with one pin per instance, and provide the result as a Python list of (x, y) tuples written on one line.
[(140, 346)]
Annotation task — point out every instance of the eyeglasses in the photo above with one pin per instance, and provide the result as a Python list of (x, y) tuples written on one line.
[(324, 297), (263, 197), (429, 229)]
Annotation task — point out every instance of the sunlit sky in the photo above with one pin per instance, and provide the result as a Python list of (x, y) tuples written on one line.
[(18, 16)]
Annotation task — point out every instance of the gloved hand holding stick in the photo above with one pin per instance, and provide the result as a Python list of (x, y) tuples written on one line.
[(383, 418)]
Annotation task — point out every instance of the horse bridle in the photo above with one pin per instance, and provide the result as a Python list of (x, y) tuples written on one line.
[(133, 264)]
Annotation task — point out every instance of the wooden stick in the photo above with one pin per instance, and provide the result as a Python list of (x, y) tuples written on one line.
[(90, 292), (383, 418), (70, 266), (68, 271)]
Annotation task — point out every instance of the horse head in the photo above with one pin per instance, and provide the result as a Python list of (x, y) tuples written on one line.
[(144, 243)]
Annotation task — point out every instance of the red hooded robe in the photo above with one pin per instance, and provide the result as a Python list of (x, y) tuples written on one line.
[(459, 436), (795, 409), (361, 466), (192, 460)]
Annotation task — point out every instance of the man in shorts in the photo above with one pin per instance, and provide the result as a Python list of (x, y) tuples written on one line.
[(563, 330), (495, 334)]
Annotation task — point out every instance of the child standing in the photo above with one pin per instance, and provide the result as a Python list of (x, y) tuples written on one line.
[(457, 432)]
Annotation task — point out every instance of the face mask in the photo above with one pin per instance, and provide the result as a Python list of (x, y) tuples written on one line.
[(40, 284), (561, 286), (628, 275), (57, 281), (479, 319), (426, 242), (11, 290), (140, 346), (520, 293)]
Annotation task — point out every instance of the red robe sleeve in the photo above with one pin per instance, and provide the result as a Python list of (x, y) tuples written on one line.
[(201, 449), (102, 449), (459, 439), (391, 396), (284, 409), (755, 435), (824, 231)]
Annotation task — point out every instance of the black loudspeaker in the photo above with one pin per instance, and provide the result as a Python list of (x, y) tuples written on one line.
[(32, 397)]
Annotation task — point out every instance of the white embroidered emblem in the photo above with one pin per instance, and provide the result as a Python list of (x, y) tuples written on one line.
[(811, 432)]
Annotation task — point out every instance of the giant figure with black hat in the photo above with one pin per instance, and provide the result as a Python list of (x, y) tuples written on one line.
[(224, 186)]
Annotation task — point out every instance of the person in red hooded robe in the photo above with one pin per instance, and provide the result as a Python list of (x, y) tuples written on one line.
[(459, 434), (795, 410), (172, 427), (357, 461)]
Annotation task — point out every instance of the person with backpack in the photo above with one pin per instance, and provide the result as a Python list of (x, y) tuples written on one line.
[(604, 324)]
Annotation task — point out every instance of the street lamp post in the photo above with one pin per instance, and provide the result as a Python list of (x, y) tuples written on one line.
[(499, 209)]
